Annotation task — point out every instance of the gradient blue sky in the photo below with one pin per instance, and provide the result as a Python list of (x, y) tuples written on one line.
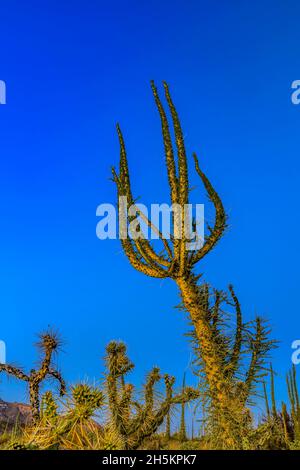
[(73, 69)]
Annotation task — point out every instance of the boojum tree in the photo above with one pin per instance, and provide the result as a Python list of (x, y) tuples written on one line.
[(176, 261)]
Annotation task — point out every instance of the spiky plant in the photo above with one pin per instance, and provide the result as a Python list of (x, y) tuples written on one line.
[(49, 407), (132, 420), (273, 399), (177, 261), (182, 430), (285, 423), (293, 394), (74, 427), (243, 350), (268, 414), (168, 426), (48, 344), (78, 428), (281, 426)]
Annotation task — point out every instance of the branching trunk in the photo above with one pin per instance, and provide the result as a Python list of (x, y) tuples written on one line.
[(220, 355)]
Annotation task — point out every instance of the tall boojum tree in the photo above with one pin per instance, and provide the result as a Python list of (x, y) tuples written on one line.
[(178, 263)]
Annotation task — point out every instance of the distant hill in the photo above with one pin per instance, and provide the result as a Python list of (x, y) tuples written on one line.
[(12, 413)]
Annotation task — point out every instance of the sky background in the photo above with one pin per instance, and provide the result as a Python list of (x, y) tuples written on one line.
[(73, 69)]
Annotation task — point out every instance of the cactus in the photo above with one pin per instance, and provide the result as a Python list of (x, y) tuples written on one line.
[(182, 430), (74, 427), (285, 422), (293, 394), (49, 407), (273, 400), (48, 344), (266, 400), (134, 421), (178, 263), (86, 400)]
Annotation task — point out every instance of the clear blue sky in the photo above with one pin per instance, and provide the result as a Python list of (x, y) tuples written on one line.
[(73, 69)]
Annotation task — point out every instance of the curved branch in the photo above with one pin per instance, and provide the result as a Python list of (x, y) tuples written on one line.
[(16, 372), (57, 375), (220, 219), (236, 351)]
